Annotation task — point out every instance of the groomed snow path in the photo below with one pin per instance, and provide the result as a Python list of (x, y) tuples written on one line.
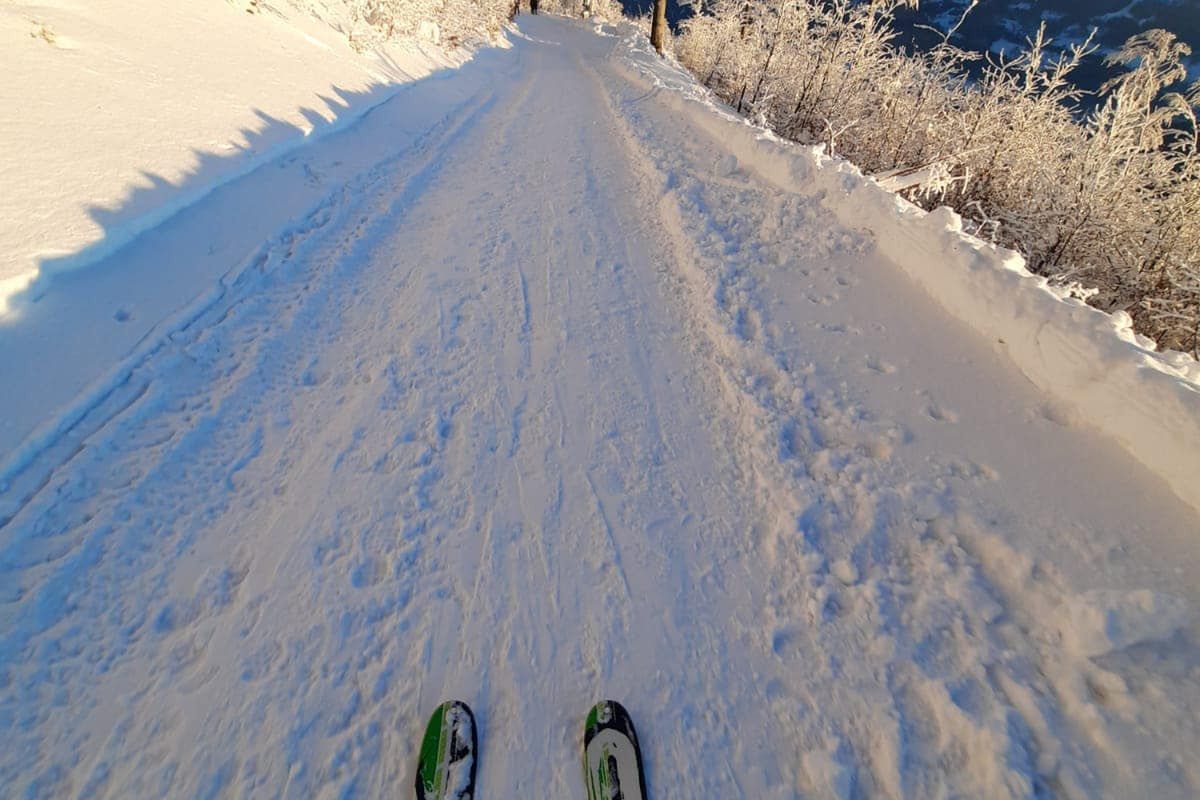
[(563, 404)]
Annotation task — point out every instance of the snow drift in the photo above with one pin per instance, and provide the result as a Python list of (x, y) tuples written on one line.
[(126, 112)]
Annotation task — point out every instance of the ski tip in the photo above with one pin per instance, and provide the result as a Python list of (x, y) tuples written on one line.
[(612, 757), (608, 714), (446, 764)]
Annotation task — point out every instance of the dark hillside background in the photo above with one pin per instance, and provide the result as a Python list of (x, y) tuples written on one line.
[(997, 24), (994, 25)]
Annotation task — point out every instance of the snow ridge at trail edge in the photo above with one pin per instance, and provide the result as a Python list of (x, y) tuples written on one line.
[(761, 397), (1091, 362)]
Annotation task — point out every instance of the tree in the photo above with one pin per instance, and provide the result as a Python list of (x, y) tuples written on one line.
[(659, 29)]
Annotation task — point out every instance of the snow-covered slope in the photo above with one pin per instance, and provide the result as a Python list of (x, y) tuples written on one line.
[(130, 112), (120, 112), (564, 385)]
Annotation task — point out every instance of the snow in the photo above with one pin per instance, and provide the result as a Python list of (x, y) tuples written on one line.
[(1089, 362), (125, 305), (1002, 46), (129, 111), (1098, 622), (557, 383), (844, 571), (1126, 11), (461, 766)]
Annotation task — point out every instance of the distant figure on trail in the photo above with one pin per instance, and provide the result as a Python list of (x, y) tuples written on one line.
[(533, 4)]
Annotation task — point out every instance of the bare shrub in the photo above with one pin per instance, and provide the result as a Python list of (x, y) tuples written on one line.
[(1109, 199), (457, 20), (609, 10)]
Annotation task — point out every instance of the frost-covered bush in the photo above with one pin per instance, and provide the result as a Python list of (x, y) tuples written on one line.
[(456, 20), (600, 9), (1110, 199)]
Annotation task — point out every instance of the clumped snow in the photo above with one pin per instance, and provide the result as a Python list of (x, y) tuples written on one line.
[(561, 383), (1098, 622)]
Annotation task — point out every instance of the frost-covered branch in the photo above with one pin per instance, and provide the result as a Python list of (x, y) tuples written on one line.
[(1110, 198)]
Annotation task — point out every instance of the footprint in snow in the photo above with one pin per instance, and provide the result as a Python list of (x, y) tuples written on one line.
[(177, 614), (368, 573), (784, 642), (1052, 413), (940, 413), (876, 364), (726, 166), (315, 375), (747, 325), (261, 661), (967, 470)]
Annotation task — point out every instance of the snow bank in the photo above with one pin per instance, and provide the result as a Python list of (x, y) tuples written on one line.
[(1090, 362), (127, 111)]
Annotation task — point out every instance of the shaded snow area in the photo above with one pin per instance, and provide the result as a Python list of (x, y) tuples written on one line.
[(119, 112), (569, 386)]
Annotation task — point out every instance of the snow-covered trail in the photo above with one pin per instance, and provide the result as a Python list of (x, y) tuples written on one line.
[(562, 404)]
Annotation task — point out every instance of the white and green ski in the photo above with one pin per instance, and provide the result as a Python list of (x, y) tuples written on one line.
[(446, 766), (612, 759)]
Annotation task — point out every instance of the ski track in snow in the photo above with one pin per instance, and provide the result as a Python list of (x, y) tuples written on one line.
[(558, 405)]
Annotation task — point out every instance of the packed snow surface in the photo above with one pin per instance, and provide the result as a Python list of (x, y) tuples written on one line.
[(562, 385)]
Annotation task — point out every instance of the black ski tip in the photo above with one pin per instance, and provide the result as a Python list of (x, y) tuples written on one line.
[(609, 714)]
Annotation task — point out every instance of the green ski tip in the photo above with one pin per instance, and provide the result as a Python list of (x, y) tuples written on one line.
[(612, 758), (446, 764)]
